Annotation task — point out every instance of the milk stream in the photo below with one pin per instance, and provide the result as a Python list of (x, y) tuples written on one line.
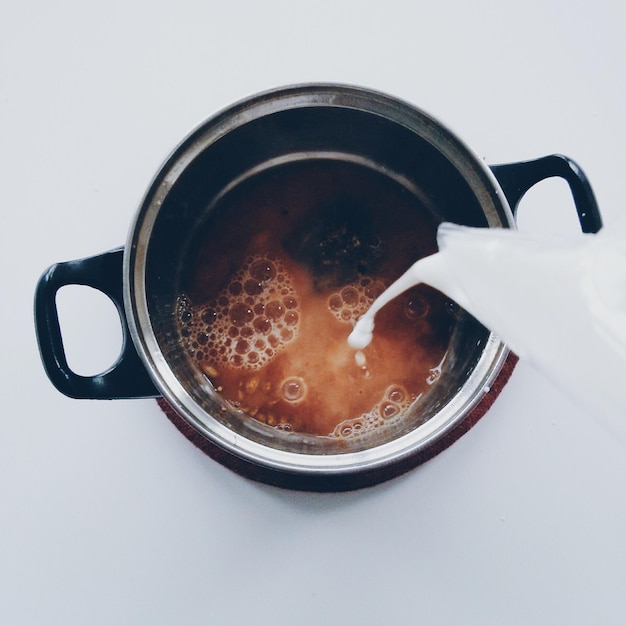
[(557, 302)]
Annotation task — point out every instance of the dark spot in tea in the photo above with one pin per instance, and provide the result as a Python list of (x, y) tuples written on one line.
[(338, 245)]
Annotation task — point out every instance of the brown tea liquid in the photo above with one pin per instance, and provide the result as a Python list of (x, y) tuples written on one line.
[(278, 276)]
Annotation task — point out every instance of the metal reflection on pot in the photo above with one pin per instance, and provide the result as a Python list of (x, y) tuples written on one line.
[(260, 241)]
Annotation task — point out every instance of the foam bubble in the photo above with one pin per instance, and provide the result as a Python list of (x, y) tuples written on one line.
[(293, 389), (249, 322), (416, 307)]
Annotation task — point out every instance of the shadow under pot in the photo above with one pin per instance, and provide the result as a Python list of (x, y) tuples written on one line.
[(264, 236)]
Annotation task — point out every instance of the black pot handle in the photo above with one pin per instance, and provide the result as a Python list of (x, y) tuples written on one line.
[(128, 377), (517, 178)]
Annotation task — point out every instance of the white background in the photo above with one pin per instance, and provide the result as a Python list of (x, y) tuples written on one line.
[(108, 515)]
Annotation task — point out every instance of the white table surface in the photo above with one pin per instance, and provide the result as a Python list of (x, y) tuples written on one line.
[(110, 516)]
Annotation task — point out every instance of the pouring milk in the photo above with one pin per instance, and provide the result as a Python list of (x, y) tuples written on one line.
[(558, 302)]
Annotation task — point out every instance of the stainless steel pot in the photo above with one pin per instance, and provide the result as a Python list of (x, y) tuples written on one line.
[(307, 122)]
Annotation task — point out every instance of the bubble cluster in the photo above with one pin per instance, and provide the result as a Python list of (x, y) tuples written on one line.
[(250, 321), (353, 300), (396, 400)]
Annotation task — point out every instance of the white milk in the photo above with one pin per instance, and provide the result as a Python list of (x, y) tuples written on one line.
[(559, 302)]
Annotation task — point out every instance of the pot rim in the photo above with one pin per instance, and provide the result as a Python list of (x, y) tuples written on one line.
[(447, 418)]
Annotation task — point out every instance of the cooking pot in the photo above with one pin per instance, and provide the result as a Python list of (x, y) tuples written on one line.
[(295, 124)]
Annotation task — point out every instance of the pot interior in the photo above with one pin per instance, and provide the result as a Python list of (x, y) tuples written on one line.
[(347, 152)]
